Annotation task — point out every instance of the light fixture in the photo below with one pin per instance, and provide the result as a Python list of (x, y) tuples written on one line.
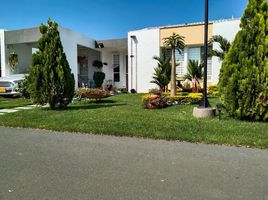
[(219, 107)]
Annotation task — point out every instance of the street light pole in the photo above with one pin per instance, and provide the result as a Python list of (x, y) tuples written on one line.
[(204, 110), (205, 102)]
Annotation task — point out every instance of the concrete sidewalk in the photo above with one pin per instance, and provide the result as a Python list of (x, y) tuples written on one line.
[(39, 165)]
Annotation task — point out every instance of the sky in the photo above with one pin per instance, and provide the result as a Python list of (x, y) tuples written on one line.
[(109, 19)]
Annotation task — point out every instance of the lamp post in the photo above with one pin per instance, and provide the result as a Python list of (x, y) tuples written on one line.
[(204, 110), (205, 102)]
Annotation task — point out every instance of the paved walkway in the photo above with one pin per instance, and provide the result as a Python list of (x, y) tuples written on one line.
[(41, 165), (15, 109)]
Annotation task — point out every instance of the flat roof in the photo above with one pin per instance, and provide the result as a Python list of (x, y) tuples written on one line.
[(189, 24)]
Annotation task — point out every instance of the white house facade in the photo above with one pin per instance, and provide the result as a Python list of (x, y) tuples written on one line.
[(128, 62), (146, 43), (80, 51)]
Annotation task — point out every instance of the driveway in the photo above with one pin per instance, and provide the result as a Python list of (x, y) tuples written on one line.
[(39, 165)]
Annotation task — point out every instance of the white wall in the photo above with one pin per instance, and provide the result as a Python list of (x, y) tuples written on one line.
[(70, 40), (3, 52), (227, 29), (141, 66), (107, 56)]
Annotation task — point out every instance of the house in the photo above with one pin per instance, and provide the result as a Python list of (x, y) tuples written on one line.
[(129, 61), (80, 51), (144, 44)]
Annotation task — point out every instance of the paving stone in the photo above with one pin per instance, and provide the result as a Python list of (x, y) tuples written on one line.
[(8, 110), (23, 108)]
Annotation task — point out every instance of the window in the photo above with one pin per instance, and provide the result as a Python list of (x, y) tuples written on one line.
[(194, 53), (180, 60), (116, 65), (179, 56), (209, 69)]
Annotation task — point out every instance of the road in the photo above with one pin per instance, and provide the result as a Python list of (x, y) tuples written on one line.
[(44, 165)]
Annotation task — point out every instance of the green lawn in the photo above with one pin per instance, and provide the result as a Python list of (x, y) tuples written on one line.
[(123, 116), (13, 102)]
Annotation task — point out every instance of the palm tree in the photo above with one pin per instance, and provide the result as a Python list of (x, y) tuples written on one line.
[(224, 45), (174, 42), (195, 73), (161, 76)]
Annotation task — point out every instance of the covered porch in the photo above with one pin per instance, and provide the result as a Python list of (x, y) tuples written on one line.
[(115, 55)]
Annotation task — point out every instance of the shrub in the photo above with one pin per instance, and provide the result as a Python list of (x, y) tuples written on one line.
[(98, 78), (97, 63), (153, 101), (213, 90), (184, 98), (133, 91), (23, 88), (91, 93), (50, 78), (243, 83), (123, 90)]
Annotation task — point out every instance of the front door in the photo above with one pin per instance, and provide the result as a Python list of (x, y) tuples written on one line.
[(83, 73)]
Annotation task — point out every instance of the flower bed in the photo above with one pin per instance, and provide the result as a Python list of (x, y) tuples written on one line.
[(186, 98), (154, 101), (92, 93)]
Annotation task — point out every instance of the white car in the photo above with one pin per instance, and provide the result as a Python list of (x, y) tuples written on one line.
[(9, 84)]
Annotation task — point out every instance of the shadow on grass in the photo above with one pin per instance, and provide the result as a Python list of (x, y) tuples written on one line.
[(93, 106)]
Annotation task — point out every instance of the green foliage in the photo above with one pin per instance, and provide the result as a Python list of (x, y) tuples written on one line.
[(50, 77), (98, 78), (97, 63), (13, 60), (161, 76), (213, 90), (243, 82), (174, 42), (23, 86), (186, 98), (224, 45), (194, 70)]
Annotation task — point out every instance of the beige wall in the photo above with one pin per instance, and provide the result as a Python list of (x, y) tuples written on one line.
[(194, 34)]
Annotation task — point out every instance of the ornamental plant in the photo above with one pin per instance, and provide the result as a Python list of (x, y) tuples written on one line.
[(174, 42), (50, 78), (98, 78), (13, 60), (243, 83), (91, 93), (161, 76), (152, 101), (97, 63)]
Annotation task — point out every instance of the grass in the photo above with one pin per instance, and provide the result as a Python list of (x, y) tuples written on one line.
[(9, 102), (123, 115)]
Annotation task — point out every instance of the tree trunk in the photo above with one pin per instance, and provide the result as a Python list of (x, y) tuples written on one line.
[(173, 75)]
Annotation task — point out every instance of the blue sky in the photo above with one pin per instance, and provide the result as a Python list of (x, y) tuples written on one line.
[(107, 19)]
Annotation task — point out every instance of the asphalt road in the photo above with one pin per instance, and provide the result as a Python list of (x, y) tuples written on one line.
[(39, 165)]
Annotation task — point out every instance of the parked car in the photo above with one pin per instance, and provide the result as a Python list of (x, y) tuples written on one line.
[(9, 85)]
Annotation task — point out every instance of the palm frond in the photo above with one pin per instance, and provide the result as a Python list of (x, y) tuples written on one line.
[(224, 45), (195, 70)]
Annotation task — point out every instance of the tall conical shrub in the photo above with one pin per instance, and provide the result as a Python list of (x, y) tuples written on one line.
[(50, 77), (243, 83)]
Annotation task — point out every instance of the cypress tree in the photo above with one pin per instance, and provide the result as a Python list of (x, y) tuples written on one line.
[(50, 77), (243, 83)]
